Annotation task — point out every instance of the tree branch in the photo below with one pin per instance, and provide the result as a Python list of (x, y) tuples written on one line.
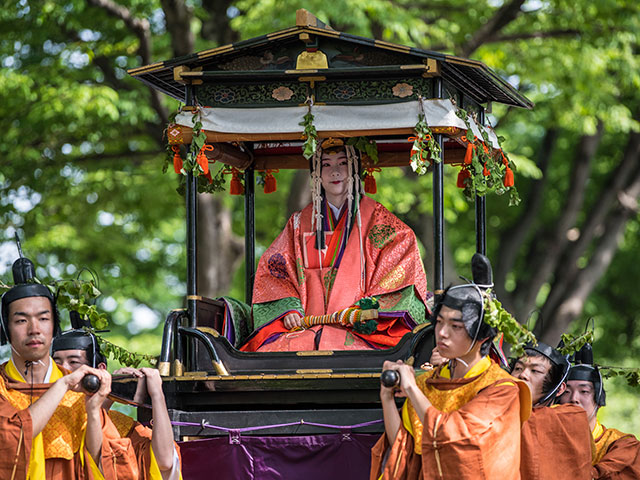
[(552, 247), (503, 16), (140, 28), (574, 300), (178, 17), (567, 270), (513, 238)]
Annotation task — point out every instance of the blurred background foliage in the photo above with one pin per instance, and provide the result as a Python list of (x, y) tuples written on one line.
[(82, 149)]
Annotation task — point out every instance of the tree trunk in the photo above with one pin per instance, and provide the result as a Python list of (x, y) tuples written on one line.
[(549, 249), (220, 252)]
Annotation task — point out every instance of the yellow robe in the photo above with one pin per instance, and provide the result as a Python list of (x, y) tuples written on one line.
[(471, 431)]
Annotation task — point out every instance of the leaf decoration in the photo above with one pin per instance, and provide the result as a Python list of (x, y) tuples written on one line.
[(366, 146), (515, 334), (490, 169), (425, 148), (310, 135)]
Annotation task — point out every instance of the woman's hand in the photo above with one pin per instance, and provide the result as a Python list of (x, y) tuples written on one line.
[(292, 320)]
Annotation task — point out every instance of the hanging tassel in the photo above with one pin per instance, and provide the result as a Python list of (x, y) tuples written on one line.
[(270, 183), (370, 185), (177, 159), (468, 156), (209, 177), (508, 178), (486, 171), (202, 159), (463, 174), (236, 187)]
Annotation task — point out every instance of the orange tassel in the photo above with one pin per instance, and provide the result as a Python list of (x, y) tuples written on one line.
[(270, 183), (177, 159), (508, 178), (236, 187), (202, 159), (486, 171), (370, 185), (505, 162), (463, 174), (208, 176), (469, 154)]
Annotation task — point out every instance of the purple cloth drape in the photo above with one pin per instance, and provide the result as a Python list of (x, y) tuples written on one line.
[(312, 457)]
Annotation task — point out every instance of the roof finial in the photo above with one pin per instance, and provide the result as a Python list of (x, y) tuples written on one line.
[(305, 18)]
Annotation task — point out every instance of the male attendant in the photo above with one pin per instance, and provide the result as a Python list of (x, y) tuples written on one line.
[(154, 449), (49, 429), (617, 454), (462, 420), (556, 440)]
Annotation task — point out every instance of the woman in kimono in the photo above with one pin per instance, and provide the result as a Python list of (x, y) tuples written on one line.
[(342, 248)]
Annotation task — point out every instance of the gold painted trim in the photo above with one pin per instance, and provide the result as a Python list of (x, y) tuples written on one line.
[(419, 327), (145, 69), (314, 370), (419, 66), (164, 368), (392, 46), (321, 31), (314, 353), (194, 297), (464, 61), (216, 51), (312, 79), (220, 368), (178, 368), (209, 330), (179, 310), (298, 72)]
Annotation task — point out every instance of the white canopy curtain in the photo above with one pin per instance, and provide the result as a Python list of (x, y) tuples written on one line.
[(274, 120)]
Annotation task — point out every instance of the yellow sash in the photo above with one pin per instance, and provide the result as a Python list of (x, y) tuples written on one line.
[(483, 373), (604, 437), (63, 434)]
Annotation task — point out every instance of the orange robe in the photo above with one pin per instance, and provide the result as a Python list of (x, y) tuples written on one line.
[(289, 279), (138, 437), (471, 431), (556, 443), (62, 437), (617, 455)]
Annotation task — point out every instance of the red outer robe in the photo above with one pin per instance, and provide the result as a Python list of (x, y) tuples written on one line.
[(16, 434), (556, 444), (617, 456), (391, 262), (475, 437)]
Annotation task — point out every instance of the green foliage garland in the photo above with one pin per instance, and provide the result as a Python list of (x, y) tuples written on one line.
[(122, 355), (79, 295), (366, 146), (487, 173), (515, 334), (424, 146), (206, 183), (75, 295), (310, 135), (572, 343)]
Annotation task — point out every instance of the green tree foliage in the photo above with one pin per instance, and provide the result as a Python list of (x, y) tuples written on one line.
[(82, 153)]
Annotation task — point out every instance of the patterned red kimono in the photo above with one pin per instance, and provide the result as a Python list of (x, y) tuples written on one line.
[(289, 279)]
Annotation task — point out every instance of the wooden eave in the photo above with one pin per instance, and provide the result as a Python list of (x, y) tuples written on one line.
[(470, 76)]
